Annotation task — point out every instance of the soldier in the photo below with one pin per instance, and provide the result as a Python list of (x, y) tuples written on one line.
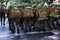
[(54, 15), (2, 13), (42, 18), (28, 13), (9, 19), (21, 18), (35, 17), (15, 21)]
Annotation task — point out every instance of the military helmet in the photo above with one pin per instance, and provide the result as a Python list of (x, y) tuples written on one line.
[(10, 7), (42, 6), (39, 6), (34, 5)]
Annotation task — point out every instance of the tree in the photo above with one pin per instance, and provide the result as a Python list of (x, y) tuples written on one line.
[(26, 1), (49, 1), (32, 1)]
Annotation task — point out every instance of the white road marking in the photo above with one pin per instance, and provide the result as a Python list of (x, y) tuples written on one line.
[(31, 32), (12, 37), (9, 35), (37, 32), (24, 39), (54, 37), (56, 32), (2, 36)]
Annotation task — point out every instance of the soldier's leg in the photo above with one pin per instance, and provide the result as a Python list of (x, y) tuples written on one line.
[(54, 23), (25, 28), (29, 24), (1, 18), (33, 22), (17, 21), (57, 24), (12, 26), (40, 24), (9, 20), (18, 30), (26, 24), (49, 23), (4, 19), (21, 23), (37, 26), (43, 25)]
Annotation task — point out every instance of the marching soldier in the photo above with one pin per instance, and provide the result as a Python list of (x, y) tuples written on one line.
[(54, 16), (14, 21), (28, 14), (42, 18), (2, 13), (21, 18), (35, 17), (9, 19)]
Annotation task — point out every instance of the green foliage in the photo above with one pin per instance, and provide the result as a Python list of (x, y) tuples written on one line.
[(48, 2), (32, 1), (26, 1)]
